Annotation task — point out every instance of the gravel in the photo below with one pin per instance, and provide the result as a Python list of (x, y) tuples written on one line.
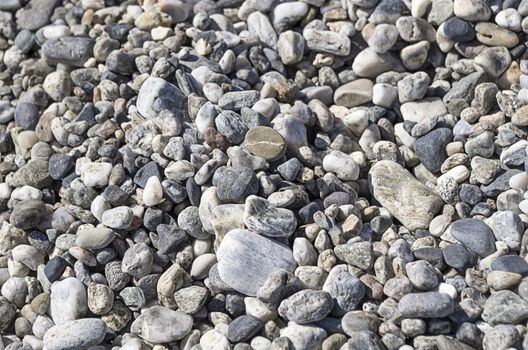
[(244, 174)]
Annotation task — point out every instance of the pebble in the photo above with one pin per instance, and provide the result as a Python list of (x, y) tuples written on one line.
[(475, 235), (74, 51), (156, 95), (159, 324), (68, 300), (426, 305), (265, 219), (261, 256), (265, 142), (306, 306), (415, 214), (76, 334), (94, 238), (353, 94)]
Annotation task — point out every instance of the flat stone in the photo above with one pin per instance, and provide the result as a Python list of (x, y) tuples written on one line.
[(243, 328), (416, 110), (35, 14), (265, 142), (369, 64), (426, 305), (263, 218), (510, 263), (77, 334), (410, 201), (475, 235), (245, 260), (236, 100), (327, 41), (73, 51), (159, 324), (353, 94)]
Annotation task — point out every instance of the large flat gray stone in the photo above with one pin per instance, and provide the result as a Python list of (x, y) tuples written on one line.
[(246, 259)]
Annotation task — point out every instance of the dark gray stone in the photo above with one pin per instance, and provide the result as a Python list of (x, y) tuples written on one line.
[(262, 217), (73, 51), (60, 165), (235, 184), (475, 235), (244, 328), (230, 125), (26, 115), (236, 100), (426, 305), (510, 263), (430, 148), (28, 213)]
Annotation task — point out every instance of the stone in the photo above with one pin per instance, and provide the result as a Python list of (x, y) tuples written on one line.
[(430, 148), (353, 94), (236, 184), (73, 51), (393, 187), (346, 290), (415, 110), (263, 218), (100, 298), (473, 10), (505, 307), (426, 305), (28, 213), (265, 142), (383, 38), (156, 95), (358, 254), (96, 174), (191, 299), (60, 165), (327, 41), (510, 263), (76, 334), (94, 238), (35, 14), (475, 235), (244, 328), (260, 25), (304, 336), (153, 192), (68, 300), (245, 260), (369, 64), (159, 324), (290, 47), (343, 165), (306, 306), (26, 115), (118, 218), (236, 100), (508, 227), (137, 260)]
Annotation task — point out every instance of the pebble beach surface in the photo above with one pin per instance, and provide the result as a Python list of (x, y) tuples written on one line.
[(263, 175)]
